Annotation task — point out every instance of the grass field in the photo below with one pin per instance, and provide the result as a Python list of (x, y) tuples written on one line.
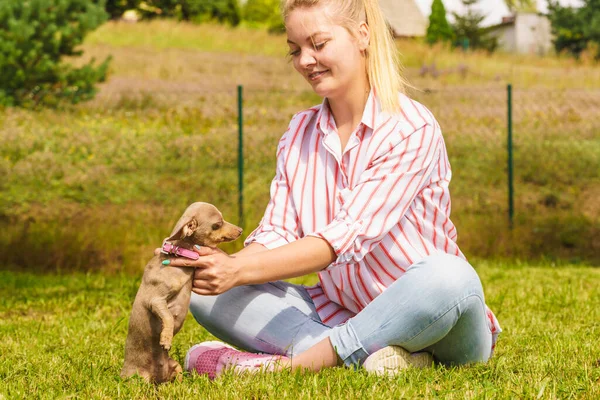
[(63, 337)]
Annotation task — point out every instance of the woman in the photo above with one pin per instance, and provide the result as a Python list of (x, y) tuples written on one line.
[(360, 197)]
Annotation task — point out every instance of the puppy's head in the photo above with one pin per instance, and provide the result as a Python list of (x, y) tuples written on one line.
[(203, 224)]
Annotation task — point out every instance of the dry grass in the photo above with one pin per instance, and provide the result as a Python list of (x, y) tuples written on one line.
[(162, 133)]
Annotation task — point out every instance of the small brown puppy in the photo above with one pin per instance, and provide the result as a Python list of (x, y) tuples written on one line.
[(163, 299)]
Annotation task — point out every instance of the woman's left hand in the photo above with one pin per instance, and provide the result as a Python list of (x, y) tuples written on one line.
[(216, 272)]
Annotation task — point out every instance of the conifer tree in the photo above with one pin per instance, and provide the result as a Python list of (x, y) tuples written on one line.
[(439, 29), (468, 29), (34, 37)]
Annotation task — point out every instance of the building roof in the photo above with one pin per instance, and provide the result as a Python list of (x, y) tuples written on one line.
[(405, 17)]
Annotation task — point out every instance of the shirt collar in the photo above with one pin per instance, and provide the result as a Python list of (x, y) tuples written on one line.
[(371, 113)]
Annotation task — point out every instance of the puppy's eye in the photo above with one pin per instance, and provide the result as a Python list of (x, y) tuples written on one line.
[(216, 226)]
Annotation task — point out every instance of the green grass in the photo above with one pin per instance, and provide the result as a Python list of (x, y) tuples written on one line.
[(63, 337)]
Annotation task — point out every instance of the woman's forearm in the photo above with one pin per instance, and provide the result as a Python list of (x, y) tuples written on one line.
[(302, 257), (252, 248)]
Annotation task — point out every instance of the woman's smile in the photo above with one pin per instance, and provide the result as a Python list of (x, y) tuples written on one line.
[(315, 76)]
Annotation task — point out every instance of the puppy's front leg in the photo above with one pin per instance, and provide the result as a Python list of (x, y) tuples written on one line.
[(158, 306)]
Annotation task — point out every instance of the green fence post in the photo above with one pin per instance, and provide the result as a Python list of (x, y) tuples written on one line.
[(240, 157), (510, 159)]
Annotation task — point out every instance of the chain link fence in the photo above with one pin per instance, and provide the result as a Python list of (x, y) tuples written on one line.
[(555, 164), (143, 150)]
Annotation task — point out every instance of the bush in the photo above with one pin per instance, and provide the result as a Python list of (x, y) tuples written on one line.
[(35, 35), (224, 11), (116, 8)]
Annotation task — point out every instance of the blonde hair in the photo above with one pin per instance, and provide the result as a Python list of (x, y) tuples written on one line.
[(383, 64)]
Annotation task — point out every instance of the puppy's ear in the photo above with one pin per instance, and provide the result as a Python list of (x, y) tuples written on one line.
[(183, 229)]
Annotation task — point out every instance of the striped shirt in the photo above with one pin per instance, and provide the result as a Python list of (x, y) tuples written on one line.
[(382, 203)]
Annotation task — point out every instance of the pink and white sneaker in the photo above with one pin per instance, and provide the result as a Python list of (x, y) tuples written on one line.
[(213, 358)]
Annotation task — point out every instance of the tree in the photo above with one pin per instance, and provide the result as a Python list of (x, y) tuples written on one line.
[(264, 12), (438, 30), (34, 36), (574, 29), (468, 30)]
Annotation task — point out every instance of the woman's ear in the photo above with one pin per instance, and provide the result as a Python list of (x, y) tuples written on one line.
[(364, 36)]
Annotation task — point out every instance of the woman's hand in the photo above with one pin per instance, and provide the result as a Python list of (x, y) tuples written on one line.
[(216, 272)]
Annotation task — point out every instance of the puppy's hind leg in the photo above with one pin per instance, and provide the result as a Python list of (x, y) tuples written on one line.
[(158, 306)]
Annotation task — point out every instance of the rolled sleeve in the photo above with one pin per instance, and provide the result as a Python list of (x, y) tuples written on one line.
[(279, 224), (385, 191), (271, 239), (340, 234)]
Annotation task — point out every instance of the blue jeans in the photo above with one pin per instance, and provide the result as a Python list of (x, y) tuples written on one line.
[(436, 306)]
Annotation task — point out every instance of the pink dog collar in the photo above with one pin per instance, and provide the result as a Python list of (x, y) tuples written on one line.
[(170, 248)]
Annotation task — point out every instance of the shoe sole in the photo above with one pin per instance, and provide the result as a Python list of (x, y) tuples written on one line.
[(211, 345), (392, 359)]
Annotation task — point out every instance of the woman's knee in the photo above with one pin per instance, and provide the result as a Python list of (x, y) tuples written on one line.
[(201, 306), (446, 273)]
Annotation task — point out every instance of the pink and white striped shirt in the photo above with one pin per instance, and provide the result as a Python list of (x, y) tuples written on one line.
[(382, 204)]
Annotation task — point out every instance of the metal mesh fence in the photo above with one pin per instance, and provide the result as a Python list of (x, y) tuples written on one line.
[(183, 139), (556, 152)]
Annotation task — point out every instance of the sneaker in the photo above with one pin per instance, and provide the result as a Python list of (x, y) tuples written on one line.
[(213, 358), (391, 359)]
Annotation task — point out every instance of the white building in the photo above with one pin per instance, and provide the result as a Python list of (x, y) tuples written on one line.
[(525, 33)]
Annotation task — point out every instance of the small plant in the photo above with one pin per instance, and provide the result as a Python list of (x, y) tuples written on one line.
[(34, 37)]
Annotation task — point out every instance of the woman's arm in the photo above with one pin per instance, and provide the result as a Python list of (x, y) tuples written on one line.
[(217, 272), (252, 248), (302, 257)]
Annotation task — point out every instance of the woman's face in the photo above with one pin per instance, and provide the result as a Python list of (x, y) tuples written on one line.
[(324, 53)]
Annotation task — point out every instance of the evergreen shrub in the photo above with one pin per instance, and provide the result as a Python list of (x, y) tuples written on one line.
[(439, 29), (35, 35)]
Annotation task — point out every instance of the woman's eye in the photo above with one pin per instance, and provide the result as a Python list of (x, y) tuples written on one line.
[(319, 46), (294, 53)]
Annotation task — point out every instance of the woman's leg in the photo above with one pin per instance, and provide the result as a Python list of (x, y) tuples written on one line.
[(274, 318), (437, 306)]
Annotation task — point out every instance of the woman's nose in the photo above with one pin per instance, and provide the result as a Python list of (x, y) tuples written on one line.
[(307, 59)]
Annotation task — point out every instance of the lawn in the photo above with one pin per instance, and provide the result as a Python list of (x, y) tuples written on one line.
[(88, 191), (63, 337)]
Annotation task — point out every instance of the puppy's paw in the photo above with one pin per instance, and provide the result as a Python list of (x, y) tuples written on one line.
[(166, 340), (176, 371)]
